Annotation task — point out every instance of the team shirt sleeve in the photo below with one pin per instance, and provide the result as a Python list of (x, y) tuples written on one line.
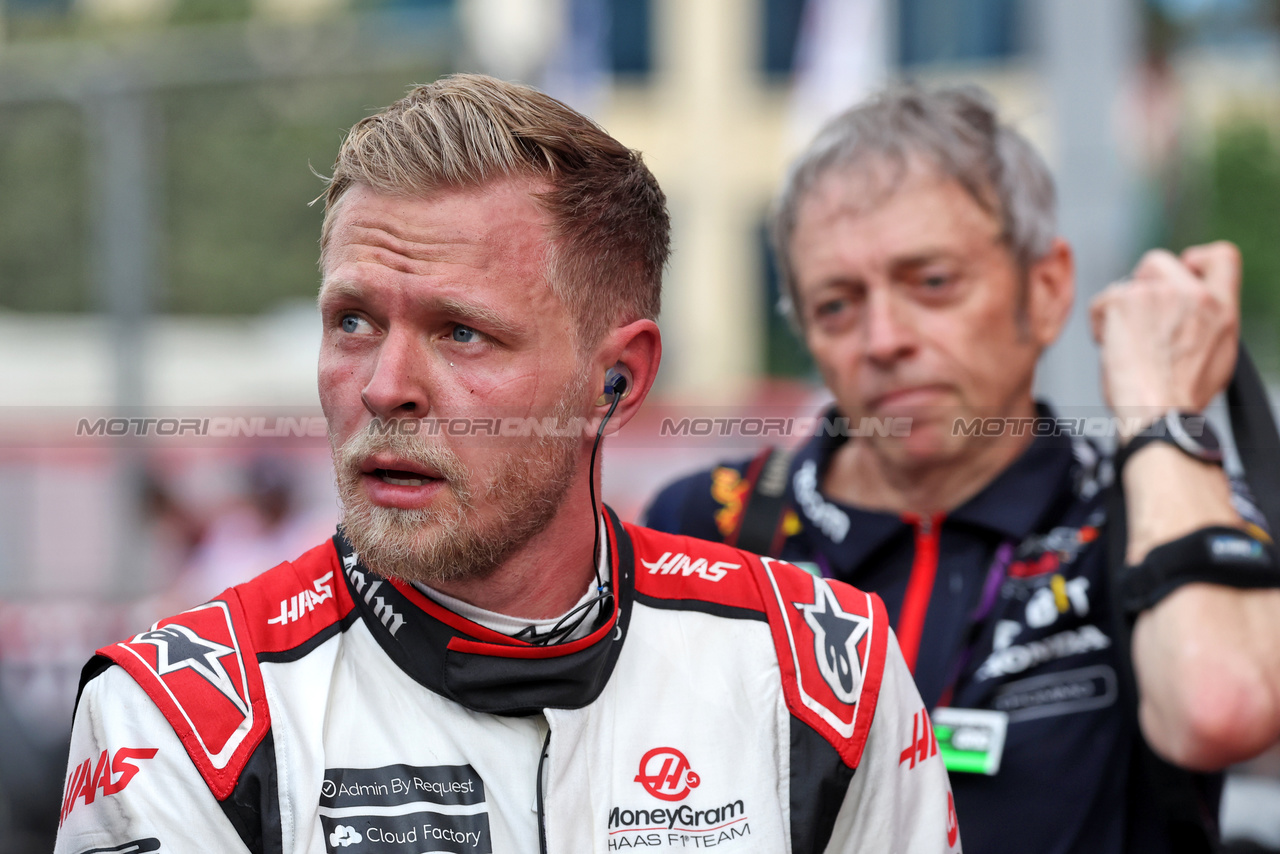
[(900, 797), (130, 784), (669, 508)]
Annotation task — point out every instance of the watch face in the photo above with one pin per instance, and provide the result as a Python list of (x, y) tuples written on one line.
[(1193, 434)]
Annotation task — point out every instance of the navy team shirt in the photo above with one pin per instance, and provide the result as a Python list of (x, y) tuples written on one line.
[(1000, 604)]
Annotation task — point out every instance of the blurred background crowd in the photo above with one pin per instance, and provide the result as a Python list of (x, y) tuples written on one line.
[(158, 252)]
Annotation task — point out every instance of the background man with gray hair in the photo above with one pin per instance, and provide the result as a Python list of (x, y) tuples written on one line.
[(917, 243), (481, 659)]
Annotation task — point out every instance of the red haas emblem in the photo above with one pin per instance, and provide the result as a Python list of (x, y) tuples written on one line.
[(665, 774), (953, 826)]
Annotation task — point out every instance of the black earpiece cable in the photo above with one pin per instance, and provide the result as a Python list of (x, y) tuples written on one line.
[(604, 592)]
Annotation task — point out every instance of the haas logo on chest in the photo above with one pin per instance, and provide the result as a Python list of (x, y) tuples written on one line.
[(665, 774)]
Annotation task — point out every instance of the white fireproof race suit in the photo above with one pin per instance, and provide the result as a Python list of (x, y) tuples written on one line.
[(723, 700)]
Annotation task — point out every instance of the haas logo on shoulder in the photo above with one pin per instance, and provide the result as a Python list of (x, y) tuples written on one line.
[(681, 564), (836, 635), (665, 774)]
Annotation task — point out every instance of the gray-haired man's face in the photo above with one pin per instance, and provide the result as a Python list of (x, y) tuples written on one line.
[(910, 304)]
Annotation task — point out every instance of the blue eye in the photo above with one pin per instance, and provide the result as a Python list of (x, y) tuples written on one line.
[(354, 324), (465, 334), (830, 307)]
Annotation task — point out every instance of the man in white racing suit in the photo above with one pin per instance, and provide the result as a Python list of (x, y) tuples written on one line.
[(481, 660)]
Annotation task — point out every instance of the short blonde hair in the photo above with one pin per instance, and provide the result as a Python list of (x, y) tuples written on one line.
[(611, 231)]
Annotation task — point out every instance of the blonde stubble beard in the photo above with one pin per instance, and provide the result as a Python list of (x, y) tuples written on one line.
[(438, 544)]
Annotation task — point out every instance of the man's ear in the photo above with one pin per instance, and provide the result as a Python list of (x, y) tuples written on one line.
[(1051, 289), (637, 349)]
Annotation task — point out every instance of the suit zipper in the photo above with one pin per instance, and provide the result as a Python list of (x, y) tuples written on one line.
[(924, 569), (542, 829)]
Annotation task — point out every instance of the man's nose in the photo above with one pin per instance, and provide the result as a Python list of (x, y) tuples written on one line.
[(890, 328), (398, 386)]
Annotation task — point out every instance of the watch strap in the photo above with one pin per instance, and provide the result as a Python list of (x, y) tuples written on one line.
[(1219, 555), (1161, 430)]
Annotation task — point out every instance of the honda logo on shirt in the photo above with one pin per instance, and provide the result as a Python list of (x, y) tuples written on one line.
[(665, 774)]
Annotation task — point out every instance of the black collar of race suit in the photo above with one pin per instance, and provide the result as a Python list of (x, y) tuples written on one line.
[(479, 668), (1012, 506)]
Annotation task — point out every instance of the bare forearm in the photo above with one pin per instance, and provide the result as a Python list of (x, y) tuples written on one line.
[(1168, 495), (1207, 657), (1207, 660)]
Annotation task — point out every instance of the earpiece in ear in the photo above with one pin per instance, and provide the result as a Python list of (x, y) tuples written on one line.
[(617, 381)]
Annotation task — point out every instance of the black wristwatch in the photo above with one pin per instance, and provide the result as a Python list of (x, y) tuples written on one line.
[(1187, 431)]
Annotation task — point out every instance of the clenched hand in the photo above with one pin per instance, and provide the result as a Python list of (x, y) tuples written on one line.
[(1168, 334)]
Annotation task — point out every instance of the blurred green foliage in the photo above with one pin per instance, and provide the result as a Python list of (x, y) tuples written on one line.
[(235, 178), (1232, 192), (209, 11), (240, 235), (234, 164), (43, 226), (1244, 206), (785, 354)]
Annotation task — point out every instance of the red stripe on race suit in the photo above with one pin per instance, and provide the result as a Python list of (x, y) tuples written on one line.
[(277, 611), (485, 641), (288, 605), (924, 569), (671, 566)]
